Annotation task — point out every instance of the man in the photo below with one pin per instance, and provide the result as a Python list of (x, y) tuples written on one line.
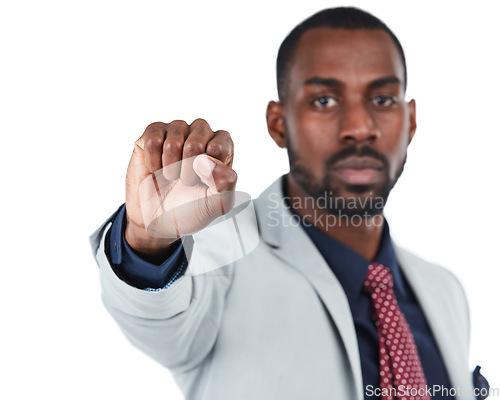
[(324, 308)]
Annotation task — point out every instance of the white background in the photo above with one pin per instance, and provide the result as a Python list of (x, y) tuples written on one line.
[(81, 80)]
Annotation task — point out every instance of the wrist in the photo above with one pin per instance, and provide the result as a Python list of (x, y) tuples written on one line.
[(143, 243)]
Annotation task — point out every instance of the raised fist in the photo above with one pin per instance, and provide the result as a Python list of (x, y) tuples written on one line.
[(179, 180)]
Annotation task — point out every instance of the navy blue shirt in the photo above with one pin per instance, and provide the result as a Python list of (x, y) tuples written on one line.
[(348, 266), (131, 268), (350, 269)]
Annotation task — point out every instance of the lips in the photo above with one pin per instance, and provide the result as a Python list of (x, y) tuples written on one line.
[(355, 162), (357, 170)]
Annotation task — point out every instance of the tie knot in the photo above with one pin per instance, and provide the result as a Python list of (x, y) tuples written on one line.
[(378, 277)]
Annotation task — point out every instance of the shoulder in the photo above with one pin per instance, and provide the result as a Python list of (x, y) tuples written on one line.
[(433, 274), (435, 281)]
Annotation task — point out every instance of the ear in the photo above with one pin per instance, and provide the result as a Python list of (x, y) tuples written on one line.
[(413, 119), (276, 123)]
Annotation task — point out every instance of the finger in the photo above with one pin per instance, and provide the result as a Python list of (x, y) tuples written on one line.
[(195, 144), (215, 174), (144, 190), (177, 131), (221, 182), (151, 142), (221, 147)]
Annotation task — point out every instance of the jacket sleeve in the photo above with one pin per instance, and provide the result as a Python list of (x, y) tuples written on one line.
[(177, 326)]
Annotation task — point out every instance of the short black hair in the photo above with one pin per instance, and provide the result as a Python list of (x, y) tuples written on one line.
[(338, 18)]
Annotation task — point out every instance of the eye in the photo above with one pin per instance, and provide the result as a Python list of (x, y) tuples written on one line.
[(324, 102), (383, 101)]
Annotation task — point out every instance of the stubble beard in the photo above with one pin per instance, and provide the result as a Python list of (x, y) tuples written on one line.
[(360, 200)]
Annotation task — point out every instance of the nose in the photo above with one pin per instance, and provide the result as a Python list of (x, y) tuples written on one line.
[(357, 125)]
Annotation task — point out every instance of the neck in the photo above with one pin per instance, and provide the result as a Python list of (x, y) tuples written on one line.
[(362, 235)]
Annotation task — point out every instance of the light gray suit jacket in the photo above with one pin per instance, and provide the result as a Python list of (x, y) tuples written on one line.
[(275, 324)]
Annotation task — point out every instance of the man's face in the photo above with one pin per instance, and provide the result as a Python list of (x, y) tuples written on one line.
[(346, 123)]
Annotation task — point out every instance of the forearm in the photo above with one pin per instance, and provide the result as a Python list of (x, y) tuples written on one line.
[(166, 323)]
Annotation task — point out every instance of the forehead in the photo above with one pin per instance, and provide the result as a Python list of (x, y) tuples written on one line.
[(361, 55)]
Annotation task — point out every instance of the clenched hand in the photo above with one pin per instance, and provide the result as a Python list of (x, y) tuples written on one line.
[(179, 180)]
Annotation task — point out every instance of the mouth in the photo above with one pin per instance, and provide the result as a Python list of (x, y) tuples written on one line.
[(359, 170)]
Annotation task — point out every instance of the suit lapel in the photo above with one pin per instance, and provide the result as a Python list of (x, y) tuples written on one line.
[(432, 299), (294, 246)]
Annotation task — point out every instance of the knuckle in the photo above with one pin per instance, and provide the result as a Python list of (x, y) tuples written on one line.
[(227, 139), (154, 126), (192, 148), (199, 121), (153, 143), (226, 135), (177, 124), (172, 146), (215, 149)]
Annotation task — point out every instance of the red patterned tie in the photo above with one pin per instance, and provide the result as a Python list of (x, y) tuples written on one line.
[(401, 374)]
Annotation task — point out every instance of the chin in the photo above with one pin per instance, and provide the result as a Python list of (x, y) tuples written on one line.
[(359, 200)]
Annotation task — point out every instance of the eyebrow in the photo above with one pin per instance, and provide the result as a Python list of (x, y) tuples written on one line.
[(317, 81), (384, 81), (332, 82)]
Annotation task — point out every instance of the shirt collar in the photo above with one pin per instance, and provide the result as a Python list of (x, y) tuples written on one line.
[(349, 267)]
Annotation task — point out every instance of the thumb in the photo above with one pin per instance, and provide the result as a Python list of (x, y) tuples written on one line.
[(221, 182), (215, 174)]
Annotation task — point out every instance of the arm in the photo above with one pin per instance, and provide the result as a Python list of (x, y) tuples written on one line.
[(135, 270), (167, 201), (177, 326)]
